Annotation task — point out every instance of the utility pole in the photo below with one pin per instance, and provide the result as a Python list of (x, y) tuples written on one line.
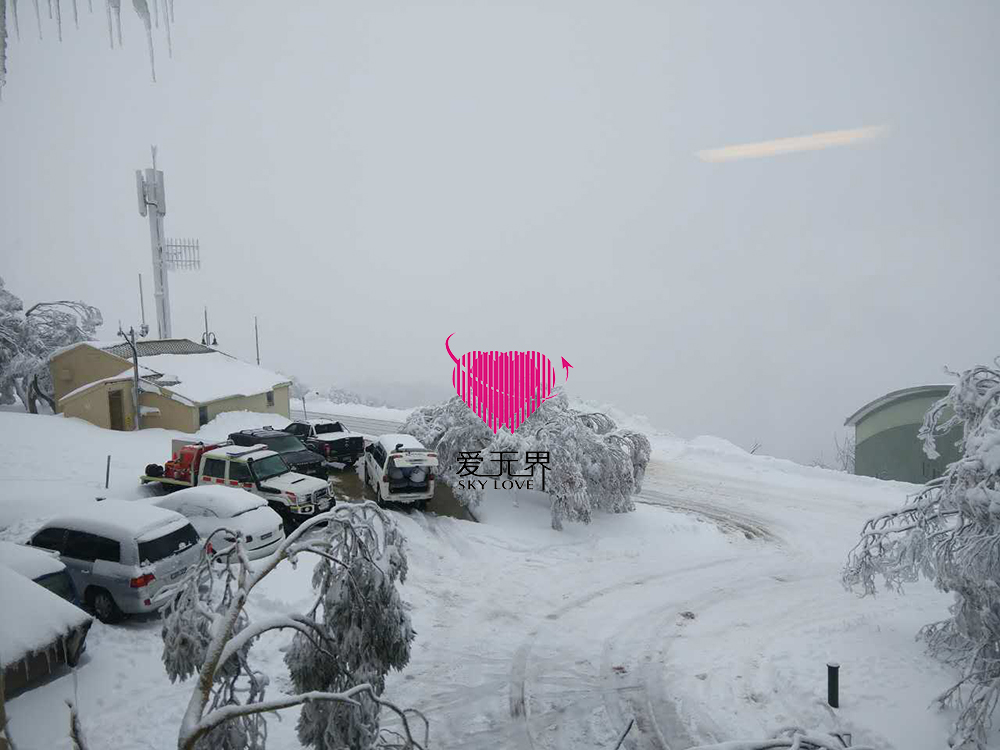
[(256, 338), (130, 340), (167, 254)]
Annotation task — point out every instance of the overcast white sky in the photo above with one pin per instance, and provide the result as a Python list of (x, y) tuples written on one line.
[(371, 177)]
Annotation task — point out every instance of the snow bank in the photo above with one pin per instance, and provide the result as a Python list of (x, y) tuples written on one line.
[(39, 618)]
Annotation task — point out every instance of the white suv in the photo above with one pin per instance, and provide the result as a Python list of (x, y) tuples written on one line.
[(400, 470)]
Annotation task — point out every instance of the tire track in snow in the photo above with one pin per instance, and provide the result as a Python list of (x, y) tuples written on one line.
[(728, 519), (520, 698)]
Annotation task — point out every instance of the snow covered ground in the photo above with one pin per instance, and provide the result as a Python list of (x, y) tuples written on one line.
[(708, 614)]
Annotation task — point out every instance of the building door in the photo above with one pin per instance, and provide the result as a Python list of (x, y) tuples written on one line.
[(115, 410)]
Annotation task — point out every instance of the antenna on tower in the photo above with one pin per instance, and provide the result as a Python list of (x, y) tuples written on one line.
[(168, 255)]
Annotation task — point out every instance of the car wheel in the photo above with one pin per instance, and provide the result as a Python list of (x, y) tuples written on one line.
[(104, 606)]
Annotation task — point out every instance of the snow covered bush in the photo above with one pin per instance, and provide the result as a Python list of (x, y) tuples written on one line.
[(950, 533), (27, 340), (342, 648), (592, 464), (790, 738)]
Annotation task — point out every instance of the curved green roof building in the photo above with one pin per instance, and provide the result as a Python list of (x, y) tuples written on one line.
[(885, 434)]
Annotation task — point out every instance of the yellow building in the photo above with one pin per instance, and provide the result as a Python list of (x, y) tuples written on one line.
[(182, 385)]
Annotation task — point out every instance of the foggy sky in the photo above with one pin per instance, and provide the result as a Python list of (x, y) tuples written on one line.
[(368, 178)]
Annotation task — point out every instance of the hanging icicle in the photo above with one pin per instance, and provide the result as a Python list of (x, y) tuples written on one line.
[(166, 25), (38, 18), (50, 10), (116, 8), (143, 11), (58, 17), (17, 25), (3, 43), (76, 17), (156, 13), (111, 33)]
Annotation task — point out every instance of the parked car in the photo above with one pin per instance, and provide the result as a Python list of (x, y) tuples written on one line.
[(40, 631), (299, 458), (42, 566), (330, 439), (400, 470), (212, 507), (122, 555), (257, 470)]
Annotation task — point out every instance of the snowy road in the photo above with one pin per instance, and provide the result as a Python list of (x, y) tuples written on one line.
[(362, 425)]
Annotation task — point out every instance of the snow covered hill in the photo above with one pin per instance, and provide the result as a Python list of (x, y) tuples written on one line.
[(708, 614)]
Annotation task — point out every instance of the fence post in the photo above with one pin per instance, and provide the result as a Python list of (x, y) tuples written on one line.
[(107, 473), (833, 684)]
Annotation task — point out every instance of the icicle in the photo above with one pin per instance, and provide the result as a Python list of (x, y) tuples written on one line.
[(38, 17), (48, 654), (17, 25), (90, 5), (62, 642), (58, 17), (166, 25), (111, 35), (116, 7), (76, 17), (3, 43), (143, 10), (156, 13), (171, 10), (50, 10)]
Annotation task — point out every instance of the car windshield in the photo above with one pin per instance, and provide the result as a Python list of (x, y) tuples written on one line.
[(167, 545), (326, 429), (271, 466), (284, 444)]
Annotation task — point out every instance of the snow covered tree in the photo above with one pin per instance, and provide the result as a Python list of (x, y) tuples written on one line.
[(593, 465), (149, 12), (949, 533), (27, 340), (341, 650)]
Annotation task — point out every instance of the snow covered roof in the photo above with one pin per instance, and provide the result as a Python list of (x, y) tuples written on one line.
[(144, 372), (225, 502), (939, 391), (389, 442), (118, 519), (39, 619), (212, 376), (30, 561)]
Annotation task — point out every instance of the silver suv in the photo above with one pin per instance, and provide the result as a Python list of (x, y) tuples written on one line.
[(122, 554)]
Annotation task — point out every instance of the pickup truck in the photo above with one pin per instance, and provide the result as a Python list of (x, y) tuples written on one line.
[(298, 457), (255, 469), (330, 439)]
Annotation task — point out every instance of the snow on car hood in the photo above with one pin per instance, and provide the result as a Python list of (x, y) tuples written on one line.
[(300, 484)]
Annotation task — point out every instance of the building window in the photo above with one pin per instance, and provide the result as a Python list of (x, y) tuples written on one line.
[(270, 398), (202, 415)]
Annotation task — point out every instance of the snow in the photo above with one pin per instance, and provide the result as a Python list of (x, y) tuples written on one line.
[(148, 411), (213, 376), (30, 562), (225, 502), (39, 618), (322, 406), (707, 614), (389, 442), (117, 519), (129, 374)]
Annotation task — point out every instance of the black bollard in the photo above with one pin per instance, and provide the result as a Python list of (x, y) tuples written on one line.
[(833, 684)]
